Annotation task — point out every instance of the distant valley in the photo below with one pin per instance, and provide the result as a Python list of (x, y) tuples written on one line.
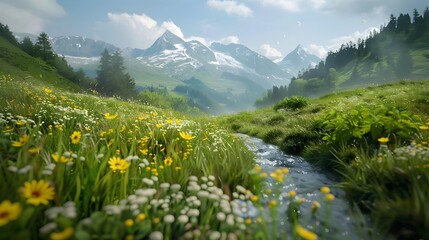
[(232, 72)]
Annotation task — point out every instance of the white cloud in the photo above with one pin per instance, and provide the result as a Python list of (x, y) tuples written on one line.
[(28, 15), (269, 51), (135, 30), (318, 50), (231, 7), (169, 25), (335, 43), (372, 7), (199, 39), (287, 5), (229, 39)]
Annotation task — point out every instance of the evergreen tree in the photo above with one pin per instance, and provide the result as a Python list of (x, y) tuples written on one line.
[(28, 46), (111, 77), (7, 34), (43, 47)]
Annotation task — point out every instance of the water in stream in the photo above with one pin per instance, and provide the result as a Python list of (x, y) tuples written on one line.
[(306, 180)]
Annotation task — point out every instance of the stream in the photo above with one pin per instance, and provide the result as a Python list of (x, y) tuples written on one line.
[(306, 180)]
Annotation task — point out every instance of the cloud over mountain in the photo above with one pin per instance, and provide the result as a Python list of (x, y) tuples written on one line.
[(136, 30), (269, 52)]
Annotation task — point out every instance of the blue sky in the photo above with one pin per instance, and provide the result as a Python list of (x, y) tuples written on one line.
[(270, 27)]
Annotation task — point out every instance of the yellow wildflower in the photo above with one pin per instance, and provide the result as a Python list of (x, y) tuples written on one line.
[(47, 90), (186, 136), (75, 137), (248, 221), (129, 223), (109, 116), (383, 140), (254, 198), (325, 190), (272, 203), (278, 175), (144, 151), (21, 142), (168, 161), (37, 192), (292, 193), (140, 217), (304, 233), (118, 164), (20, 122), (34, 150), (63, 235), (9, 212), (424, 127), (61, 159), (329, 197)]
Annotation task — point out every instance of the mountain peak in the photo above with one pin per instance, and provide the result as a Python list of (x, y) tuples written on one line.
[(298, 59), (168, 36), (166, 41)]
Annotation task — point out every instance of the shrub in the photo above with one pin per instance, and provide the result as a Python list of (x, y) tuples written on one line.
[(292, 103)]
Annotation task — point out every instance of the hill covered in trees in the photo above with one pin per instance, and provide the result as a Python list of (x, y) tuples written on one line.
[(398, 51)]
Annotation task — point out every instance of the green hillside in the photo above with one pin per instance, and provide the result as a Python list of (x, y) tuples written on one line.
[(346, 132), (75, 165), (399, 50)]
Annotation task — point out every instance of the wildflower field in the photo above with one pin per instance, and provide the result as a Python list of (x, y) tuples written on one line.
[(78, 166)]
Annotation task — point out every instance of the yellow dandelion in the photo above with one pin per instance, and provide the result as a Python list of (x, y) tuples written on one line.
[(47, 90), (177, 168), (75, 137), (263, 175), (277, 175), (168, 161), (140, 217), (329, 197), (304, 233), (129, 223), (109, 116), (159, 125), (248, 221), (63, 235), (34, 150), (292, 193), (21, 142), (9, 212), (144, 151), (20, 122), (272, 203), (8, 129), (118, 164), (383, 140), (37, 192), (186, 136), (424, 127), (61, 159), (254, 198), (325, 190)]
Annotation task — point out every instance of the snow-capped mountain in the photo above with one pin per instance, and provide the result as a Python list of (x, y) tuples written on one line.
[(177, 56), (230, 72), (297, 60), (174, 55), (80, 46)]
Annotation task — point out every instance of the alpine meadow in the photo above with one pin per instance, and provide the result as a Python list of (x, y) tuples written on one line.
[(150, 133)]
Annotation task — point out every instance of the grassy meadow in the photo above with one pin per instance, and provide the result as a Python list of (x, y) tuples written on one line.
[(74, 165), (375, 138)]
